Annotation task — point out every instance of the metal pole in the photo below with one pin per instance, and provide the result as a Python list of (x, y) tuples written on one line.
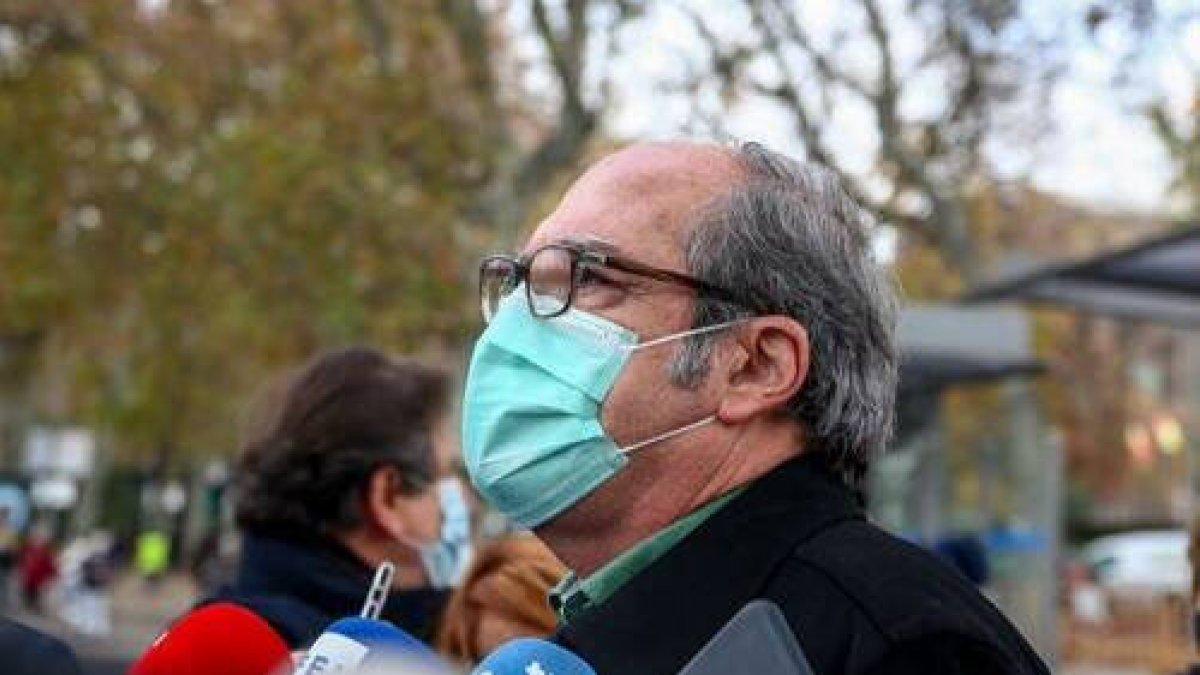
[(1034, 472)]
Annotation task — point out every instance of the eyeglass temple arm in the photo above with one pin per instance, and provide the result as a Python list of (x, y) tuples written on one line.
[(677, 278)]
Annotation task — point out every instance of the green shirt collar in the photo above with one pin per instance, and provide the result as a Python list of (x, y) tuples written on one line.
[(572, 596)]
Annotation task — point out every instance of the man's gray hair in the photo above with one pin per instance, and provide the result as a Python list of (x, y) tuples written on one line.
[(790, 241)]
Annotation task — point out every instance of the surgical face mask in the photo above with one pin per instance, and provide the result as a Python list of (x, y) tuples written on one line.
[(445, 561), (532, 438)]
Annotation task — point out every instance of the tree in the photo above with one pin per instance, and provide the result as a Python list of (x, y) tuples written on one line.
[(1162, 35), (518, 176), (195, 194), (965, 69)]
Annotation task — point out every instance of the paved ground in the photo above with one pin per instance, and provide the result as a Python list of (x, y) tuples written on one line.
[(139, 613)]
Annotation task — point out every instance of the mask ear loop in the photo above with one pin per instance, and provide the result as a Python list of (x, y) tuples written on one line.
[(687, 333), (630, 449)]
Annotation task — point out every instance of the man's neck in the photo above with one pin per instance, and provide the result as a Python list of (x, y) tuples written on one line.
[(372, 553), (610, 521)]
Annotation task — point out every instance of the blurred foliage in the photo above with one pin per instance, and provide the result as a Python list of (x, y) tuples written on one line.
[(194, 194), (1087, 394)]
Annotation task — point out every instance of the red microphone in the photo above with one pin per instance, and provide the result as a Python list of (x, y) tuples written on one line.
[(217, 639)]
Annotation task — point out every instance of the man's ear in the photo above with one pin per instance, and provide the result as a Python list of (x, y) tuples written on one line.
[(382, 493), (413, 518), (767, 368)]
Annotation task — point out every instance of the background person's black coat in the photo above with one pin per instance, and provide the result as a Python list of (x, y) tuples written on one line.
[(301, 588), (25, 651), (858, 599)]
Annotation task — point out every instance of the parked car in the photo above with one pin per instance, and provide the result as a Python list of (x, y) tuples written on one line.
[(1143, 565)]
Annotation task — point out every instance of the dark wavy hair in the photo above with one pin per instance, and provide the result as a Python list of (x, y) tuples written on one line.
[(344, 415)]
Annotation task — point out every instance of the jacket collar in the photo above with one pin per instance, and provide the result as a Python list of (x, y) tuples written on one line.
[(661, 617), (304, 586), (324, 573)]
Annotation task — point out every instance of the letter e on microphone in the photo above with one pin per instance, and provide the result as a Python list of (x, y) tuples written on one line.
[(332, 654)]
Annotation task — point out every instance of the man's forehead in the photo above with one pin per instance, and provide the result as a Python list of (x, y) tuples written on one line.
[(639, 198), (649, 168)]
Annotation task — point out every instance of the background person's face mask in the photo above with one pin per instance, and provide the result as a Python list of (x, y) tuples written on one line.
[(446, 560), (532, 438)]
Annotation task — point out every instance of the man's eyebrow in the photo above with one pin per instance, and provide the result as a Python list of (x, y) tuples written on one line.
[(591, 244)]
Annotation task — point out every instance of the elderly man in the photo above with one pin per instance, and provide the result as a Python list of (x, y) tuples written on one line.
[(682, 383)]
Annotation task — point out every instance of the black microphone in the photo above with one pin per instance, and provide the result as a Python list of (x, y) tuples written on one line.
[(757, 639)]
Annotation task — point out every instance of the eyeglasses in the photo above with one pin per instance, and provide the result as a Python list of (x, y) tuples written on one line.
[(552, 275)]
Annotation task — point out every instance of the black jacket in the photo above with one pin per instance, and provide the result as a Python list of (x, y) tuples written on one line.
[(25, 651), (301, 588), (858, 599)]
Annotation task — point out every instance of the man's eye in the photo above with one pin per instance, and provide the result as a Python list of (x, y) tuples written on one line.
[(589, 277)]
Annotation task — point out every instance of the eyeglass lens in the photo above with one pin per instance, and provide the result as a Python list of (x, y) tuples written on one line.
[(550, 274), (498, 278)]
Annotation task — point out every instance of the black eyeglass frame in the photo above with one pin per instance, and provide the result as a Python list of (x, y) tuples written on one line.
[(579, 254)]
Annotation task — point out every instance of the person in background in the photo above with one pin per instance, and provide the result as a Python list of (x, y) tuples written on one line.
[(214, 563), (152, 556), (502, 596), (36, 567), (966, 553), (343, 477), (9, 540), (26, 651), (88, 569)]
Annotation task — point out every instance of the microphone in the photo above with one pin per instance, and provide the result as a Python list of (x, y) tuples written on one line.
[(530, 656), (758, 639), (365, 644), (219, 638), (358, 645)]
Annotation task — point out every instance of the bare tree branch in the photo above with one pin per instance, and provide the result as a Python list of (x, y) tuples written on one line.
[(575, 121), (726, 62), (886, 99), (947, 213), (926, 159), (469, 25), (566, 52), (824, 64), (809, 130), (519, 177)]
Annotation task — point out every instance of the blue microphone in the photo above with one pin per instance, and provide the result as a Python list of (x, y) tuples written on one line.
[(529, 656), (365, 644)]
